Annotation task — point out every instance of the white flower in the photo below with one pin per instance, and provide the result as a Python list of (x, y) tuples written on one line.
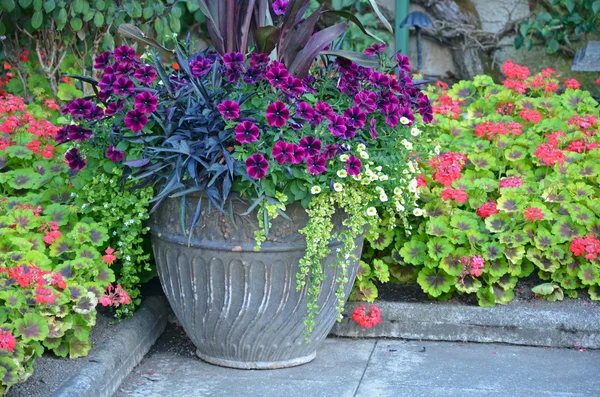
[(378, 168), (128, 258), (315, 189), (418, 212), (407, 145), (379, 189), (72, 194), (364, 155), (412, 186), (338, 187), (411, 166), (371, 211), (437, 149), (366, 181), (344, 157), (120, 243), (415, 131), (369, 173), (373, 177), (383, 197), (405, 171), (342, 173), (404, 120), (83, 206), (357, 177), (360, 147), (398, 191), (399, 207), (383, 177), (105, 205), (115, 233)]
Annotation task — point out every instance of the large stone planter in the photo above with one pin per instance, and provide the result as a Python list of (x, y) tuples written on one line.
[(240, 307)]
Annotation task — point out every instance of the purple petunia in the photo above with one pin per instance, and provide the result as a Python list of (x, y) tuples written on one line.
[(282, 152), (366, 101), (298, 154), (145, 102), (259, 60), (277, 76), (106, 82), (246, 132), (305, 111), (375, 49), (74, 159), (353, 165), (78, 133), (372, 129), (323, 109), (96, 113), (257, 166), (251, 75), (379, 80), (277, 114), (425, 109), (145, 74), (280, 6), (337, 125), (200, 67), (123, 87), (135, 120), (233, 59), (355, 117), (349, 133), (230, 110), (293, 87), (114, 154), (311, 145), (403, 63), (62, 135), (330, 151), (124, 69), (103, 60), (114, 107), (316, 165), (125, 54), (80, 107)]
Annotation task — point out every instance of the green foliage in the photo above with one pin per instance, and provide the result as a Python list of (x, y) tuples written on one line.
[(557, 26)]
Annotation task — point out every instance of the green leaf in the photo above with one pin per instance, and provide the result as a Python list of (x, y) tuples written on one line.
[(368, 290), (549, 291), (98, 19), (468, 285), (435, 282), (49, 6), (414, 252), (25, 3), (486, 298), (381, 271), (439, 248), (596, 6), (61, 19), (31, 327), (551, 46), (37, 19), (76, 23), (364, 270)]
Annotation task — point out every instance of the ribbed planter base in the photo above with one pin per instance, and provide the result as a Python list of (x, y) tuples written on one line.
[(257, 364), (241, 307)]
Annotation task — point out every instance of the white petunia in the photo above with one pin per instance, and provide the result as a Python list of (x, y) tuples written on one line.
[(418, 212), (342, 173), (315, 189), (415, 131), (361, 147), (364, 155), (383, 197), (371, 211), (338, 187), (383, 177), (344, 157), (404, 120)]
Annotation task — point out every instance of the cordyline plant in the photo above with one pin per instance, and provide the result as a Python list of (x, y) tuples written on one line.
[(512, 188), (337, 138), (52, 269)]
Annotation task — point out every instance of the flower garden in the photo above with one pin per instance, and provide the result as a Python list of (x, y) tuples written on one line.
[(462, 189)]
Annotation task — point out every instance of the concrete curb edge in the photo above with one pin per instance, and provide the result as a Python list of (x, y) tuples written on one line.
[(512, 324), (116, 357)]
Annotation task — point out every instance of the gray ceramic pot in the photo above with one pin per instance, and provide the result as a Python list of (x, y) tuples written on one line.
[(241, 307)]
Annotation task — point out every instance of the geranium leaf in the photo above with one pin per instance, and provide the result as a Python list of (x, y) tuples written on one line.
[(414, 252), (31, 327), (435, 281), (468, 285), (381, 271)]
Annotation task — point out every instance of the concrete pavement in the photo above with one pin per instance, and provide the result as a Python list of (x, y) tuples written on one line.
[(373, 368)]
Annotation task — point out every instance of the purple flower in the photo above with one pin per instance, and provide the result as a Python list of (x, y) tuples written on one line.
[(298, 154), (80, 107), (200, 67), (74, 159), (230, 110), (62, 135), (114, 107), (251, 75), (233, 59), (257, 166), (372, 129), (405, 112), (425, 109), (233, 74), (135, 120), (355, 117), (366, 100), (277, 114), (145, 102), (282, 152), (330, 151), (102, 61), (337, 125), (379, 80), (114, 154), (353, 165), (78, 133), (307, 82), (106, 82), (277, 76), (305, 111), (293, 87), (296, 126), (403, 63), (323, 109), (316, 165), (145, 74), (280, 6), (123, 87), (392, 119), (259, 60), (123, 69), (311, 145), (375, 49), (349, 133), (246, 132), (125, 54), (96, 113)]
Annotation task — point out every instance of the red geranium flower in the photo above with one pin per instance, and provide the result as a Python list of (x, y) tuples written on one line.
[(366, 318)]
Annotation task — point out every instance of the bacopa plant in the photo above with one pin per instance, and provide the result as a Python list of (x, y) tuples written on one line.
[(52, 271), (511, 189)]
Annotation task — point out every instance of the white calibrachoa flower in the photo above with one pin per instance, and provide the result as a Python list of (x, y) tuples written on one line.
[(371, 211), (365, 181), (407, 144), (364, 155), (338, 187), (412, 186), (399, 207), (383, 177), (412, 167), (405, 171), (404, 120), (344, 157), (373, 177), (379, 189), (357, 177), (360, 147), (415, 131), (378, 168), (383, 197), (342, 173), (437, 149), (418, 212), (398, 191), (368, 172), (315, 189), (128, 258)]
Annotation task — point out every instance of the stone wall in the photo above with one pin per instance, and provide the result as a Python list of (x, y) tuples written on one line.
[(493, 16)]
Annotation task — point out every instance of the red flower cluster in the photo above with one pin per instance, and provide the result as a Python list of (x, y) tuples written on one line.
[(51, 232), (488, 129), (446, 105), (366, 318), (473, 265), (549, 154), (506, 109), (448, 167), (587, 124), (487, 209), (588, 246), (109, 258), (457, 195), (32, 276), (572, 84), (7, 341), (531, 115), (581, 146), (513, 181), (514, 71), (533, 214), (115, 296)]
